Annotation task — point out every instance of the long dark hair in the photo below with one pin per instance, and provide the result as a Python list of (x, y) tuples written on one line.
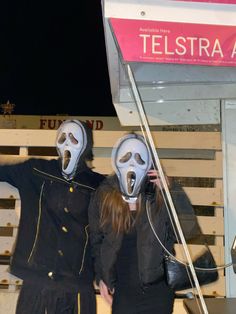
[(116, 212)]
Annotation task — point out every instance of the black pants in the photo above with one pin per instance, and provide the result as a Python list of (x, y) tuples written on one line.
[(38, 299), (153, 299)]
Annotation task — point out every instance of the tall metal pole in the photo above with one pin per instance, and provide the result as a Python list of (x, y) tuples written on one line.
[(144, 121)]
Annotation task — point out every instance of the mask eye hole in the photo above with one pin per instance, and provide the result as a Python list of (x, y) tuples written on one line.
[(73, 139), (125, 158), (62, 138), (139, 159)]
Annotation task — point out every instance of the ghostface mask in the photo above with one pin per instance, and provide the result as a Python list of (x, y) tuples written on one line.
[(131, 161), (71, 142)]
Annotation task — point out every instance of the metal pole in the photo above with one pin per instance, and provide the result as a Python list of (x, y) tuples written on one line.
[(143, 118)]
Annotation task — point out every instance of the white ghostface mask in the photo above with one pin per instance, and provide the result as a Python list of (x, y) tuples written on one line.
[(131, 161), (71, 142)]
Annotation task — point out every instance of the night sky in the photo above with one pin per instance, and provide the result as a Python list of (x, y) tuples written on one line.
[(53, 55)]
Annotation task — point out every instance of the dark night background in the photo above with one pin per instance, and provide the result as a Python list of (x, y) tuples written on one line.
[(53, 59)]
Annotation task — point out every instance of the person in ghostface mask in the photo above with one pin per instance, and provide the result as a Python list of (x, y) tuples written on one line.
[(52, 251), (128, 259)]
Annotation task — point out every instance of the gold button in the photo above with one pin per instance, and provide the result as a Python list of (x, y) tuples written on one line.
[(50, 274), (64, 229), (60, 252), (71, 189), (66, 209)]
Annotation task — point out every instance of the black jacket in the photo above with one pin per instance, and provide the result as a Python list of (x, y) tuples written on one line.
[(52, 240), (106, 244)]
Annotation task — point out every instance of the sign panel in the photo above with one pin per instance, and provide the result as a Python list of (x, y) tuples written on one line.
[(212, 1), (53, 122), (175, 42)]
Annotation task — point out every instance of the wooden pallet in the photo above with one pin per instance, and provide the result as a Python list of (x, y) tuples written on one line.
[(194, 158)]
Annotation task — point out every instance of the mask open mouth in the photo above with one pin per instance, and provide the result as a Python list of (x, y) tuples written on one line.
[(66, 158), (131, 178)]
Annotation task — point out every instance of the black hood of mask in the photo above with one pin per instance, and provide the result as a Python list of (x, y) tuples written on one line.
[(88, 152)]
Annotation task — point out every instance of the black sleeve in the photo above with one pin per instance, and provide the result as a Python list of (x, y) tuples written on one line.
[(96, 234), (185, 212), (15, 173)]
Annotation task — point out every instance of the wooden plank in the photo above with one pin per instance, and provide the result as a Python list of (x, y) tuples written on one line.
[(211, 225), (9, 218), (6, 245), (166, 139), (188, 140), (162, 139), (8, 191), (102, 306), (6, 278), (178, 307), (175, 168), (24, 151), (193, 168), (205, 196), (172, 167), (8, 302), (27, 137), (18, 207), (167, 153), (197, 195)]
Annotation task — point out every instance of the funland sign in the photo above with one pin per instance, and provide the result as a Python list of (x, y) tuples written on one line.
[(175, 42), (53, 122)]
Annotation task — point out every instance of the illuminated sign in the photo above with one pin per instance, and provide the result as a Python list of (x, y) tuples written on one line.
[(175, 42)]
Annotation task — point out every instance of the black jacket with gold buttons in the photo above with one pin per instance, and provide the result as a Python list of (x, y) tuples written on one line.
[(53, 236)]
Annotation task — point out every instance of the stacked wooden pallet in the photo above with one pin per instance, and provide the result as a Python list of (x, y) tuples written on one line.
[(194, 158)]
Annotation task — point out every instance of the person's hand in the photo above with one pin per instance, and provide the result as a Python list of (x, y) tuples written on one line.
[(105, 293), (155, 178)]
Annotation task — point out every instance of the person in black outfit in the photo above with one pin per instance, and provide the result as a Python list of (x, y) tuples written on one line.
[(128, 258), (52, 251)]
